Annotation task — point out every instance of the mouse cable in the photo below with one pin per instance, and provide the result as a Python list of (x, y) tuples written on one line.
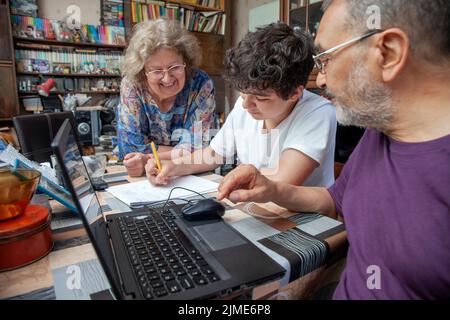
[(170, 194), (138, 205)]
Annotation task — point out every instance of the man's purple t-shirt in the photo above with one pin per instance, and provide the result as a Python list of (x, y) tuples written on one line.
[(395, 199)]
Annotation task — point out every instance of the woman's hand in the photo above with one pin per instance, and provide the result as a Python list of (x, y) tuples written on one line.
[(163, 177), (246, 183), (135, 163)]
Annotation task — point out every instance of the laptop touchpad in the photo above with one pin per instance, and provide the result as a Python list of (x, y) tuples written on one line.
[(218, 236)]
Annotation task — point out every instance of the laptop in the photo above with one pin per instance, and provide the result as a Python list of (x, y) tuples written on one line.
[(154, 254)]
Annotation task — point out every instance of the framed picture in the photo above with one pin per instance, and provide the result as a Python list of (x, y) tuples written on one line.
[(117, 35), (29, 31), (62, 67), (39, 34), (40, 66)]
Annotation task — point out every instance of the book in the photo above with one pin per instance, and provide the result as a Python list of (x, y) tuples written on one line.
[(117, 35), (113, 13), (40, 65), (92, 34)]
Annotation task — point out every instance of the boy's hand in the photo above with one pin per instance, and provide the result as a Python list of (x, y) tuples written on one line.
[(163, 177)]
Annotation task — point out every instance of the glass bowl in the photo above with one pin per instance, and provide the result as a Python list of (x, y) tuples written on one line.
[(16, 190)]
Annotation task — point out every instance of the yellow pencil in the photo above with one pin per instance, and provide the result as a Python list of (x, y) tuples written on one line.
[(155, 154)]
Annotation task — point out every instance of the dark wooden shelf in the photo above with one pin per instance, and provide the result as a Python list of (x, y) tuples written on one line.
[(79, 75), (77, 91), (69, 44), (195, 6), (211, 34), (208, 33)]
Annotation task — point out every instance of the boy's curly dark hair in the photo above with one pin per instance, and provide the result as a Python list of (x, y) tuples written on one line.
[(273, 57)]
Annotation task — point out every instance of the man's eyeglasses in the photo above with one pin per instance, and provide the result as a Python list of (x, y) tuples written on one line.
[(175, 70), (321, 60)]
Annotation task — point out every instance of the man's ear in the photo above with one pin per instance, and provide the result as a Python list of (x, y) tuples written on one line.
[(297, 94), (394, 49)]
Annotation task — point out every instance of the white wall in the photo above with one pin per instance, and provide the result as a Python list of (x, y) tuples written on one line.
[(263, 14), (56, 9)]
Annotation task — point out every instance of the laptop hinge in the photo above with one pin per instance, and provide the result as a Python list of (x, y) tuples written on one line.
[(125, 295)]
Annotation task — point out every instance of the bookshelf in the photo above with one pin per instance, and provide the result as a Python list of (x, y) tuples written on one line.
[(47, 44), (196, 4), (82, 61), (194, 17), (74, 69), (82, 75), (9, 104), (62, 92)]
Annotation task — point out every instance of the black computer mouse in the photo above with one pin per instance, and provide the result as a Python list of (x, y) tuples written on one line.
[(204, 209)]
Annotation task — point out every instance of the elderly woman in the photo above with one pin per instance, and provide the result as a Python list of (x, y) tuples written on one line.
[(163, 98)]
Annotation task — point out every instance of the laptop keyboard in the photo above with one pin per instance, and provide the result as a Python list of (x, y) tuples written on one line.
[(164, 260)]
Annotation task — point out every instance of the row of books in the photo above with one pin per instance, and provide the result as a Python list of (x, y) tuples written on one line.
[(48, 29), (66, 62), (113, 13), (111, 35), (192, 20), (215, 4), (209, 3)]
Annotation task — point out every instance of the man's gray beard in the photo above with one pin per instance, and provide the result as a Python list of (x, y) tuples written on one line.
[(365, 103)]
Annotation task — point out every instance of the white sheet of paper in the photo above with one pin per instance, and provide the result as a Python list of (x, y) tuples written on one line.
[(142, 191)]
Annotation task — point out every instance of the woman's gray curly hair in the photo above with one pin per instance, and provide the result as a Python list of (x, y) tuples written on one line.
[(148, 37)]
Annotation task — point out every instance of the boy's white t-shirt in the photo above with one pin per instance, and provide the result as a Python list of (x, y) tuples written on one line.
[(310, 129)]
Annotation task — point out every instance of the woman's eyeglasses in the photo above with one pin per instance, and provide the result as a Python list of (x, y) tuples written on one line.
[(175, 70)]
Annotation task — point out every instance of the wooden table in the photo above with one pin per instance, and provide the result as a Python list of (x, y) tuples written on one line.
[(72, 247)]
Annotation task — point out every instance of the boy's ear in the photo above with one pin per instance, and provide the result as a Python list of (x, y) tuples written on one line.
[(297, 94)]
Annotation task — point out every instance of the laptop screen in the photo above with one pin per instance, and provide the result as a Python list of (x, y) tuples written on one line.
[(88, 206), (79, 177)]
